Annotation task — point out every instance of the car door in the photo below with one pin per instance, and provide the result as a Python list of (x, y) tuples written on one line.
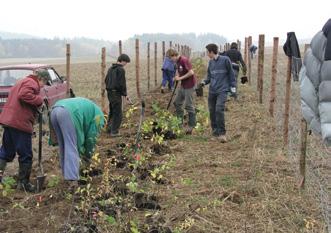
[(50, 90), (60, 85)]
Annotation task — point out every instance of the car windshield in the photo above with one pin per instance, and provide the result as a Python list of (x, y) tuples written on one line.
[(11, 76)]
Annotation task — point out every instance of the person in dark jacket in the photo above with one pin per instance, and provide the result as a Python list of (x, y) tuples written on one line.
[(169, 69), (116, 88), (221, 77), (236, 59), (17, 117), (252, 50)]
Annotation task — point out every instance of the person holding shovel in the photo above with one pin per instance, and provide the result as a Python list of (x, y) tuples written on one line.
[(221, 77), (185, 93), (116, 88), (17, 117), (77, 123)]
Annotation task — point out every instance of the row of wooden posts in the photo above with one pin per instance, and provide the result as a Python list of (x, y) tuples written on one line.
[(186, 51), (182, 49), (247, 59)]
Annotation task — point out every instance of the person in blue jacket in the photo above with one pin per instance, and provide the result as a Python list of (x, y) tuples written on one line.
[(221, 78), (169, 69)]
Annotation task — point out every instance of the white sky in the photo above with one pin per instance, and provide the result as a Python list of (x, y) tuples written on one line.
[(120, 19)]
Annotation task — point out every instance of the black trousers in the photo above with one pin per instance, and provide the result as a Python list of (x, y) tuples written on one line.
[(115, 112)]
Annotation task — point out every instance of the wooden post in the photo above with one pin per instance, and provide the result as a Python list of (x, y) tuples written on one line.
[(245, 51), (68, 54), (260, 68), (137, 69), (287, 101), (155, 63), (170, 44), (120, 51), (273, 77), (103, 75), (303, 146), (249, 61), (163, 50), (148, 65)]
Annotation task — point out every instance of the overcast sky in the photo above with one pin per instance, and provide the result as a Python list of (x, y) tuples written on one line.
[(120, 19)]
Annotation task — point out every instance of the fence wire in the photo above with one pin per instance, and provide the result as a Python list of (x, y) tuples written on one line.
[(318, 158)]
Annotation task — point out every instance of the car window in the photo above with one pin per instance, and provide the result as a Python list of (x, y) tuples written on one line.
[(54, 76), (11, 76)]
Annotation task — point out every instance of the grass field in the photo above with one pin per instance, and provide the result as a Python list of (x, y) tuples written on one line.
[(247, 185)]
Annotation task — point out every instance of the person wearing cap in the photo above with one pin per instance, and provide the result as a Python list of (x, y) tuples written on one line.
[(169, 69), (77, 122), (17, 117), (116, 88), (221, 77)]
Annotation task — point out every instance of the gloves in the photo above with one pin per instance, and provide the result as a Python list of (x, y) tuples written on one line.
[(233, 90)]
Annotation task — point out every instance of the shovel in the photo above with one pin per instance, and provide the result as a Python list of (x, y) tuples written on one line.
[(172, 95), (41, 176)]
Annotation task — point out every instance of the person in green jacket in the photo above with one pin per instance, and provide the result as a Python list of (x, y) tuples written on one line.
[(77, 123)]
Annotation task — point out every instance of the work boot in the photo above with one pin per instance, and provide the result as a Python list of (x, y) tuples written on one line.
[(3, 164), (24, 178), (188, 130), (222, 139), (191, 119), (70, 186)]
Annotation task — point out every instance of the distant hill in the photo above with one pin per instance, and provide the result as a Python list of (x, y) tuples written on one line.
[(196, 42), (15, 45), (47, 48), (12, 35)]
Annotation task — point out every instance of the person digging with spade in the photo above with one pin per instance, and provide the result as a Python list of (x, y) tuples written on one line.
[(185, 93), (221, 78), (17, 117)]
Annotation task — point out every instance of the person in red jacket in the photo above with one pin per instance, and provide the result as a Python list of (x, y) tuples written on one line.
[(17, 117)]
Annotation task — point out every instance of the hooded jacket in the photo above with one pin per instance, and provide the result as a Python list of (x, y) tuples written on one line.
[(236, 58), (168, 69), (88, 120), (115, 79), (20, 110), (291, 49), (315, 84)]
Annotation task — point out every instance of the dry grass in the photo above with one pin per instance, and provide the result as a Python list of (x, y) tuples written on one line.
[(246, 185)]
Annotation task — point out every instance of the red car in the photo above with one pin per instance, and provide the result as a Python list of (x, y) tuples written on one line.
[(56, 88)]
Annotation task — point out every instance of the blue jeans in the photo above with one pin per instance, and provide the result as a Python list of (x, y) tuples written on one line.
[(168, 80), (216, 104), (16, 141), (67, 138)]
